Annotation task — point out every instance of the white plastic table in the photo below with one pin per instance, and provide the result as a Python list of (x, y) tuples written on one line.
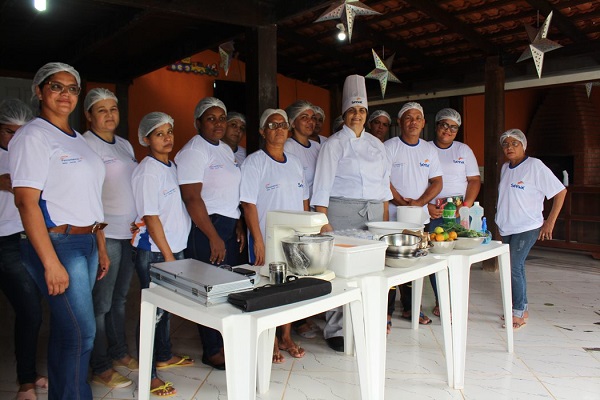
[(248, 337), (459, 269), (375, 286)]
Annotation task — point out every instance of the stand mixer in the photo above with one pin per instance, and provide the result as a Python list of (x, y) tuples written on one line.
[(281, 224)]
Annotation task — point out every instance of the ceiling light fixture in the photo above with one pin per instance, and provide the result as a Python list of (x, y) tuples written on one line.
[(39, 5), (342, 32)]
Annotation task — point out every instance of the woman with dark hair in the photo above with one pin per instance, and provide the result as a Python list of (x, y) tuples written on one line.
[(16, 283), (163, 224), (209, 178), (57, 181)]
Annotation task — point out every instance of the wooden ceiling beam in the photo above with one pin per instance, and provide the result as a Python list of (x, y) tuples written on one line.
[(234, 12), (453, 24)]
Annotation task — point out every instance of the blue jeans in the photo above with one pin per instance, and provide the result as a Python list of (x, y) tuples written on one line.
[(162, 336), (110, 296), (520, 245), (25, 298), (199, 249), (72, 323)]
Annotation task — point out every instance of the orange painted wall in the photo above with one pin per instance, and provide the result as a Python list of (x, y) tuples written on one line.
[(520, 106), (177, 94)]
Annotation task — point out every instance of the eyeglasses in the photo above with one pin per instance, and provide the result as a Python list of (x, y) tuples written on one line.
[(514, 143), (275, 125), (58, 87), (385, 124), (452, 128)]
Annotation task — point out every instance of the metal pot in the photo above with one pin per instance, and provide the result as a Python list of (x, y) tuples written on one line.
[(307, 254), (401, 244)]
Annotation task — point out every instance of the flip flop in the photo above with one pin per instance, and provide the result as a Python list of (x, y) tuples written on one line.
[(436, 311), (167, 389), (423, 319), (516, 325), (294, 351), (185, 361)]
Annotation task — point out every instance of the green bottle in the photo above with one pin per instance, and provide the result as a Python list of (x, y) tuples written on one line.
[(449, 213)]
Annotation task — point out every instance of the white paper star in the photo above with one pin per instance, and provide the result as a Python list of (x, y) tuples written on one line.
[(226, 53), (346, 10), (539, 45), (382, 72), (588, 87)]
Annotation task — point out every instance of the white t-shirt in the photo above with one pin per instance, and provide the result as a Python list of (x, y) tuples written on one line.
[(307, 156), (240, 154), (156, 192), (412, 167), (66, 170), (200, 161), (521, 193), (458, 162), (117, 195), (322, 139), (272, 185), (351, 167), (10, 221)]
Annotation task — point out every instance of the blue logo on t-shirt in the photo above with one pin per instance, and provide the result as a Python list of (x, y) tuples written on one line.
[(518, 185), (300, 184), (425, 163)]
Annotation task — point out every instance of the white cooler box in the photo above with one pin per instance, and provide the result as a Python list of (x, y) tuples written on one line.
[(353, 256)]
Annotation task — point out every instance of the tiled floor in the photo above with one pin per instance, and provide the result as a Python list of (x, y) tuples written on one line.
[(557, 355)]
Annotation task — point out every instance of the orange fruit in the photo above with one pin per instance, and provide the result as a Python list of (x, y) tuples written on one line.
[(439, 238), (432, 236), (452, 235)]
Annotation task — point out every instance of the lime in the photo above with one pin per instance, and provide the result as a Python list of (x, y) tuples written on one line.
[(439, 229), (446, 236)]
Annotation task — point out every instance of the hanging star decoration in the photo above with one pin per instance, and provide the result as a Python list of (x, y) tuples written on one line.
[(346, 11), (382, 72), (539, 45), (588, 87), (226, 53)]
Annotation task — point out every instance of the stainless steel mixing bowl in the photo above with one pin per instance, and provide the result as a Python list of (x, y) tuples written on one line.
[(307, 254), (400, 244)]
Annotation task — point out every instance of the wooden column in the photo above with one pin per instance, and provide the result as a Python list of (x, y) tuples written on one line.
[(261, 79), (493, 128)]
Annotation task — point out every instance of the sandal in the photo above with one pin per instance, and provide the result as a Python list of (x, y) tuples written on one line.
[(307, 331), (166, 390), (294, 351), (277, 356), (41, 382), (184, 361), (436, 311), (423, 319)]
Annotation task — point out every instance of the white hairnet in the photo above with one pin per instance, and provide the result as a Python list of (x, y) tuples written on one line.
[(379, 113), (97, 94), (448, 113), (235, 115), (51, 69), (270, 111), (297, 108), (319, 110), (150, 122), (411, 105), (14, 112), (205, 104), (517, 134), (337, 123)]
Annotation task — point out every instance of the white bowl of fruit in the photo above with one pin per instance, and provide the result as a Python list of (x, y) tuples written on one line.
[(441, 241)]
